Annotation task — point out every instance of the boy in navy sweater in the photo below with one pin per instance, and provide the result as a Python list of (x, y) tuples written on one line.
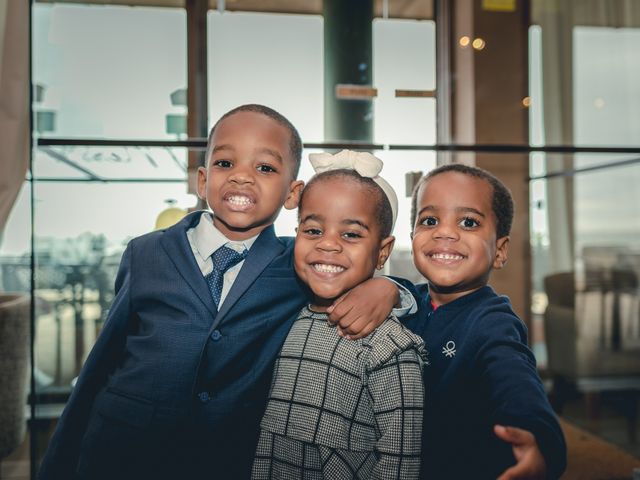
[(482, 374)]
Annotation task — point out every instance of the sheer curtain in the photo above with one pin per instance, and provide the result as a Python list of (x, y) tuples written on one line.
[(14, 102), (557, 19)]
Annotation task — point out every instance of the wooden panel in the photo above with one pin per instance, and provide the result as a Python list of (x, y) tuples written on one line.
[(409, 9)]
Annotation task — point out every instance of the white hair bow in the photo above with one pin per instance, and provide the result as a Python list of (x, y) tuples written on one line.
[(366, 164), (362, 162)]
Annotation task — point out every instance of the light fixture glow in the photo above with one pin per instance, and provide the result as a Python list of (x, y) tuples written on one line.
[(478, 43)]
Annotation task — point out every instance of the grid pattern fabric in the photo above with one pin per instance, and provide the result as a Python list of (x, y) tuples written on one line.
[(343, 409)]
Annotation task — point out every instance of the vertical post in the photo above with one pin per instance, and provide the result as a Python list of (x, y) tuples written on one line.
[(197, 103), (442, 15), (347, 60), (487, 108)]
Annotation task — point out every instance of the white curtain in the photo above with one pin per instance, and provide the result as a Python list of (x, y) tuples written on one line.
[(14, 102), (557, 18)]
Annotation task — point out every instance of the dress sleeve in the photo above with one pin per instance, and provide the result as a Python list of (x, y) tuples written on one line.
[(397, 393)]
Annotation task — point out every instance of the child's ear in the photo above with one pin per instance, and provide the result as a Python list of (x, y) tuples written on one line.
[(202, 183), (502, 248), (293, 197), (386, 246)]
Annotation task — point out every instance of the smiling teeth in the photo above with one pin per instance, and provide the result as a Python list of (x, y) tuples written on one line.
[(321, 267), (239, 200), (446, 256)]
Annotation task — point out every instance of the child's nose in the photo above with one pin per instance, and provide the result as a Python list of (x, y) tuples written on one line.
[(329, 243), (242, 174), (445, 231)]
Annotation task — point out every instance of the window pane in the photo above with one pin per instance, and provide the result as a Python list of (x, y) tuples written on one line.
[(606, 88), (414, 69), (110, 163), (271, 59), (107, 71)]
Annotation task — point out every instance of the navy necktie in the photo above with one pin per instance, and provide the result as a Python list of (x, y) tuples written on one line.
[(223, 259)]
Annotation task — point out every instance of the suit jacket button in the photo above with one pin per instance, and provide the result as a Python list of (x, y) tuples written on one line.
[(216, 335), (204, 397)]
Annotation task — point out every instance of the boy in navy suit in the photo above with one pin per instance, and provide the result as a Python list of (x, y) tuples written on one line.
[(481, 374), (177, 380)]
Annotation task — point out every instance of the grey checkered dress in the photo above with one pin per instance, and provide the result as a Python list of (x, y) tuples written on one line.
[(343, 409)]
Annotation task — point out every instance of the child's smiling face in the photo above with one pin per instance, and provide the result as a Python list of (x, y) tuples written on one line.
[(249, 176), (454, 238), (338, 241)]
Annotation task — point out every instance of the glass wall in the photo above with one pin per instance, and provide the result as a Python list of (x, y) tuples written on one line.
[(584, 222), (118, 73)]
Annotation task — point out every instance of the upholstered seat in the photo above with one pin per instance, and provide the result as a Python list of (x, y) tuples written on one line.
[(14, 368), (580, 354)]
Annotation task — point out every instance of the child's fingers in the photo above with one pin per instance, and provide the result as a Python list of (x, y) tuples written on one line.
[(514, 435), (512, 473), (361, 332), (529, 467), (339, 310)]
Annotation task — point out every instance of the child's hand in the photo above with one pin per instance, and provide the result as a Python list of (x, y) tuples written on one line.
[(362, 309), (530, 463)]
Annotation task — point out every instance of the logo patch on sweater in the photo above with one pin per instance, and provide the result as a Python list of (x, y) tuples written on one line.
[(449, 349)]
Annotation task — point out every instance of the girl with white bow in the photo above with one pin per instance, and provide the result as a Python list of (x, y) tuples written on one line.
[(339, 408)]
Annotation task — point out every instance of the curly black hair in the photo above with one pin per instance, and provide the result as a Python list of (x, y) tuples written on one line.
[(501, 203), (295, 142)]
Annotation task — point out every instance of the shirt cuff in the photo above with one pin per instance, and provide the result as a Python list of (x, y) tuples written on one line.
[(408, 305)]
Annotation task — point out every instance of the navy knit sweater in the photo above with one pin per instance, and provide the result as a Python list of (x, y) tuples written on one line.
[(481, 373)]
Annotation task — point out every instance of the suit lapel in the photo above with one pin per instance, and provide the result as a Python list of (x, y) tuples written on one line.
[(176, 244), (266, 247)]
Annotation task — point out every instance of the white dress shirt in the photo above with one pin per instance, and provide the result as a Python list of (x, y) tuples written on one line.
[(205, 239)]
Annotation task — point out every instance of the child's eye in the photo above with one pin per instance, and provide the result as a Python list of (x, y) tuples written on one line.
[(468, 222), (266, 169), (351, 235), (222, 163), (312, 231), (429, 221)]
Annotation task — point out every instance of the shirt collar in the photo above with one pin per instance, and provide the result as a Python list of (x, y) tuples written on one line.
[(207, 238)]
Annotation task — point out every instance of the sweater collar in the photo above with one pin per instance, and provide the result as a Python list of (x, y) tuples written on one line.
[(462, 302)]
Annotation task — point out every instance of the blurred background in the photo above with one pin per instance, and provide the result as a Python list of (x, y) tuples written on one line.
[(105, 106)]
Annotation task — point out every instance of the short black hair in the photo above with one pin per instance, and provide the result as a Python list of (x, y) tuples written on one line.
[(501, 201), (295, 142), (383, 211)]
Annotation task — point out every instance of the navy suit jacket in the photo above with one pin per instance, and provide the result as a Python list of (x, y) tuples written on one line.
[(172, 388)]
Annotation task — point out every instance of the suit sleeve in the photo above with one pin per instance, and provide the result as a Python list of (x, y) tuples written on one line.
[(516, 395), (61, 458), (397, 392)]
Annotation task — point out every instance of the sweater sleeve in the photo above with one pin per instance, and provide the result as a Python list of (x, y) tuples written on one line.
[(508, 373)]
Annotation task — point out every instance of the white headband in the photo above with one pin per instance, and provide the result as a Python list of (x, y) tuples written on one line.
[(364, 163)]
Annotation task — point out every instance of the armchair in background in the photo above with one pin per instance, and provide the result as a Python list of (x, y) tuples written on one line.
[(581, 355), (14, 367)]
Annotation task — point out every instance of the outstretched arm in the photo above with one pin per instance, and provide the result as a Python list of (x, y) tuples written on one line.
[(530, 463)]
